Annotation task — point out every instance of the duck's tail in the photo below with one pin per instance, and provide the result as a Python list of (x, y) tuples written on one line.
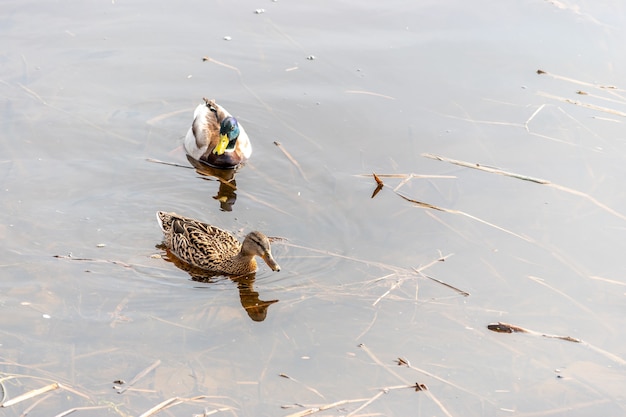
[(164, 219)]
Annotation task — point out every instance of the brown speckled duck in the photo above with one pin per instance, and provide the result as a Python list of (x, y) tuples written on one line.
[(216, 138), (213, 249)]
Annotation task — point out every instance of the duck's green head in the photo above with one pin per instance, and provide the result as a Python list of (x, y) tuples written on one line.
[(229, 132)]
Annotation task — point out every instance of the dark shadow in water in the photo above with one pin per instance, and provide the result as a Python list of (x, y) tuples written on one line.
[(226, 195), (249, 298)]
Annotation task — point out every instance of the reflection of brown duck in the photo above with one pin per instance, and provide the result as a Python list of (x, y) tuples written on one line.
[(249, 298), (216, 138), (211, 248), (255, 307), (226, 194)]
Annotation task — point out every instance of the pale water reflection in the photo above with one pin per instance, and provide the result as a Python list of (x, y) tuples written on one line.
[(250, 300), (91, 92)]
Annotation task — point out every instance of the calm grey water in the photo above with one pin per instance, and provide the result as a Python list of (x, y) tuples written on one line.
[(92, 91)]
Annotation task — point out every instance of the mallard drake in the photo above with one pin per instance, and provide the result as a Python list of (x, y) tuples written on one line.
[(213, 249), (216, 138)]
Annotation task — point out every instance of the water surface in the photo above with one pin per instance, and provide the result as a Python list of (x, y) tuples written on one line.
[(92, 91)]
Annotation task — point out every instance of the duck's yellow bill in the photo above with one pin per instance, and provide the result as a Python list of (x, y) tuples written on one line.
[(221, 145)]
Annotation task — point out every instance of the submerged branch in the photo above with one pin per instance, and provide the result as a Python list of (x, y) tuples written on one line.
[(547, 183), (139, 376), (291, 159), (501, 327), (461, 213)]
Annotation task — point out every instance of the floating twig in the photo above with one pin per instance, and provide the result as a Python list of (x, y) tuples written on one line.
[(140, 375), (313, 390), (379, 184), (313, 410), (485, 168), (583, 104), (458, 212), (532, 116), (369, 93), (527, 178), (463, 293), (222, 64), (71, 258), (171, 402), (73, 410), (417, 386), (501, 327), (405, 362), (575, 81), (291, 158), (173, 164), (30, 394)]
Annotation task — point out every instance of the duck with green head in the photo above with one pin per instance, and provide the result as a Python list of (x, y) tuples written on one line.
[(216, 138)]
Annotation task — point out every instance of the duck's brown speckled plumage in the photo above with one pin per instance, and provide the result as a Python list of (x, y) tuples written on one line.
[(211, 248)]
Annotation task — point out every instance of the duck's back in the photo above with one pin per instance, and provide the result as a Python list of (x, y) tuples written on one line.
[(197, 243)]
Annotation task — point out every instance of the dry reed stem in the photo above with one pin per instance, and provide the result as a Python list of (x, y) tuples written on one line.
[(582, 104), (30, 394), (607, 280), (313, 390), (579, 82), (139, 376), (380, 363), (527, 178), (620, 100), (501, 327), (369, 93), (410, 175), (366, 403), (182, 326), (173, 164), (532, 116), (350, 258), (222, 64), (485, 168), (445, 284), (77, 117), (369, 326), (405, 362), (171, 402), (34, 405), (72, 410), (458, 212), (484, 122), (253, 198), (401, 280), (261, 101), (572, 300), (428, 392), (313, 410), (386, 293), (291, 159), (167, 115), (395, 269)]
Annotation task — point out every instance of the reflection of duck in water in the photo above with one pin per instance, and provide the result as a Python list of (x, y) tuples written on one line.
[(216, 138), (212, 249), (249, 298), (226, 194)]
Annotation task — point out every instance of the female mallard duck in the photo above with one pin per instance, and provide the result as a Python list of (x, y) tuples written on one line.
[(216, 138), (213, 249)]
